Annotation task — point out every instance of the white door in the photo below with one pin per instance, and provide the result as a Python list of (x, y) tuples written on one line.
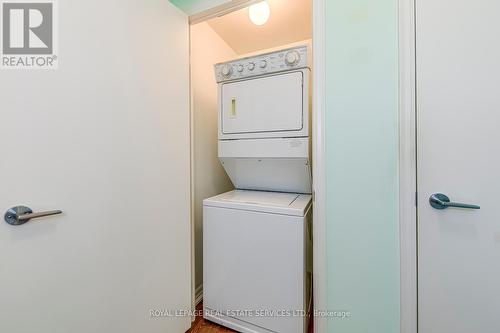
[(268, 104), (458, 108), (105, 139)]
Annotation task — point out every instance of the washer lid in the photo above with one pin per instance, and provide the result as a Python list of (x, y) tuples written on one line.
[(266, 202)]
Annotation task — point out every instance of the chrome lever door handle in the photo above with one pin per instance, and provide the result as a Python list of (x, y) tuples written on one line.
[(36, 215), (21, 214), (441, 201)]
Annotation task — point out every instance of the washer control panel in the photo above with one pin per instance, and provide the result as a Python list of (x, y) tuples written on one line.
[(268, 63)]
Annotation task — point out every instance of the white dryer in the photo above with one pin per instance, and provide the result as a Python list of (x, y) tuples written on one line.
[(257, 261)]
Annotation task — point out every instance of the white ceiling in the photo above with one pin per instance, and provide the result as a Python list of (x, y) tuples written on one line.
[(290, 21)]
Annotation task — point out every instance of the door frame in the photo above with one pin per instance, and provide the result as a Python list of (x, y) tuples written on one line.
[(320, 263), (319, 155), (408, 168)]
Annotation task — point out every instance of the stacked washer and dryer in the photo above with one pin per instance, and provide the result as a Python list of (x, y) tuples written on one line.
[(257, 246)]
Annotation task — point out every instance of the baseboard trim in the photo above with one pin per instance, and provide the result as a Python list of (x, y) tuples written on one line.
[(198, 294)]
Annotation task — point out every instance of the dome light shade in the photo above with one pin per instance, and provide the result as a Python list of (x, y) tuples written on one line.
[(259, 13)]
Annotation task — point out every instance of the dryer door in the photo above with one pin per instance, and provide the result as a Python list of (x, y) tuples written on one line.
[(263, 107)]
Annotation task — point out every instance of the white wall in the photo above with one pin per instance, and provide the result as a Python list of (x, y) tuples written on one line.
[(209, 178), (307, 42), (361, 142)]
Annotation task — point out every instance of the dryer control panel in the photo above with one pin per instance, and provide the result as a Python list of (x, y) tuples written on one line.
[(274, 62)]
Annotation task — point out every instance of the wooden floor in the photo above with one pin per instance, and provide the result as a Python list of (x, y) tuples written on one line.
[(201, 325)]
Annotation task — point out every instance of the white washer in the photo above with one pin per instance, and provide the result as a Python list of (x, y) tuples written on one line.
[(257, 261)]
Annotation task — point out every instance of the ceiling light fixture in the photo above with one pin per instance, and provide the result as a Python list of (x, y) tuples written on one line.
[(259, 13)]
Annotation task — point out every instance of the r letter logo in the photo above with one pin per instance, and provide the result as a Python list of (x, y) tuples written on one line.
[(28, 34)]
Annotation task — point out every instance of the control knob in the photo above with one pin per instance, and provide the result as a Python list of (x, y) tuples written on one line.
[(292, 58), (251, 66), (227, 70)]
